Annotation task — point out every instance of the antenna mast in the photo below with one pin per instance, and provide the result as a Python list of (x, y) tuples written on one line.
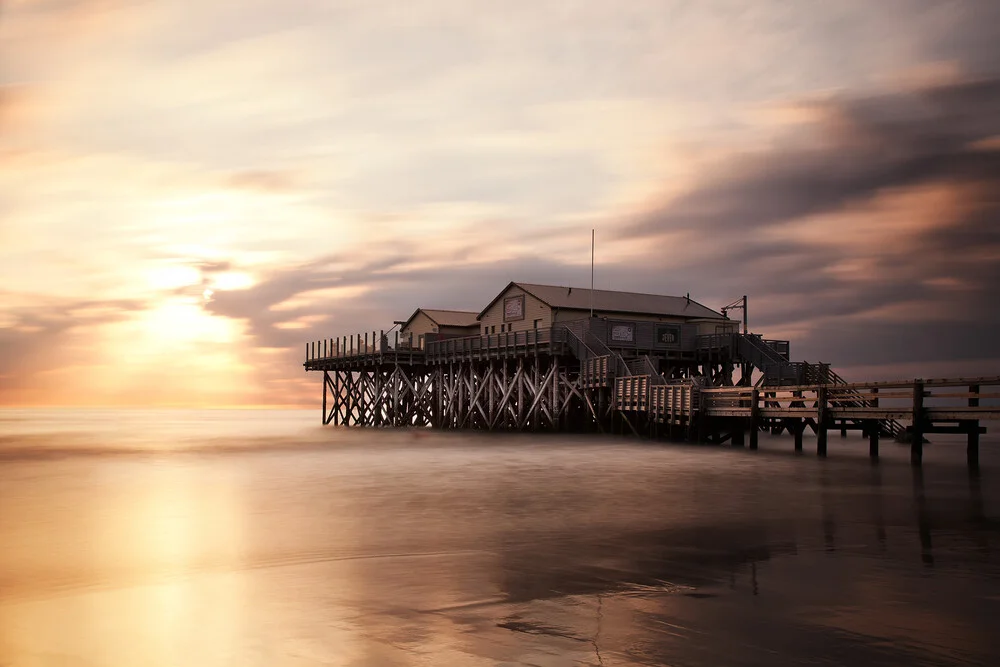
[(739, 304), (593, 237)]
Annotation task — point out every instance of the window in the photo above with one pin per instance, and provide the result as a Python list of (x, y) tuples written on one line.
[(503, 327), (537, 323), (493, 329)]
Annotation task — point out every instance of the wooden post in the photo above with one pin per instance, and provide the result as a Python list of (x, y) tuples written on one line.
[(873, 433), (326, 378), (754, 417), (554, 407), (307, 351), (917, 444), (972, 448), (821, 422), (800, 427)]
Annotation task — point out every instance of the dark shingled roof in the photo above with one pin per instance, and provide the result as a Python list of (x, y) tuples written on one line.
[(446, 318), (452, 318), (577, 298)]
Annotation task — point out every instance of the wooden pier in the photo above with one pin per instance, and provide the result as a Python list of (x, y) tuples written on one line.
[(659, 381), (550, 380)]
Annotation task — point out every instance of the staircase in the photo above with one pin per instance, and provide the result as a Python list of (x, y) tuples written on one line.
[(778, 370), (889, 426), (644, 366), (775, 367)]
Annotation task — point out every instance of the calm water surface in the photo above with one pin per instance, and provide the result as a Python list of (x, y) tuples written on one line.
[(209, 538)]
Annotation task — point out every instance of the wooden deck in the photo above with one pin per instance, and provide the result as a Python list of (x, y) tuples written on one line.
[(359, 352)]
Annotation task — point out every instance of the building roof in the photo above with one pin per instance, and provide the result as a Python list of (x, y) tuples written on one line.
[(576, 298), (446, 318), (452, 318)]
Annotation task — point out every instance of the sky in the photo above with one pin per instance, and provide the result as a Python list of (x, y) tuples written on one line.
[(190, 191)]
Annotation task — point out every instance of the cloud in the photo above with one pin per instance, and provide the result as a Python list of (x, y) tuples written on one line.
[(891, 200), (39, 334), (266, 181)]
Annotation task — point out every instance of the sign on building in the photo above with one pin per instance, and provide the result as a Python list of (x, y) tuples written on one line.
[(668, 334), (622, 332), (513, 308)]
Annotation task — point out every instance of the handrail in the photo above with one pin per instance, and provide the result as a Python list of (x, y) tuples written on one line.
[(577, 351)]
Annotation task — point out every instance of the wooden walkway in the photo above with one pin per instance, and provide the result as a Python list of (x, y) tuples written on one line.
[(717, 414)]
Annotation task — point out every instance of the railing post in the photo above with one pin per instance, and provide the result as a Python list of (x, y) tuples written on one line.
[(754, 417), (307, 351), (917, 443)]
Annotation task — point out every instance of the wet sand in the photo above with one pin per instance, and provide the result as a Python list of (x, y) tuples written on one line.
[(232, 538)]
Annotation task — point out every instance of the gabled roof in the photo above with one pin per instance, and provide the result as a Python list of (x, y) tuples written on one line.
[(446, 318), (576, 298), (452, 318)]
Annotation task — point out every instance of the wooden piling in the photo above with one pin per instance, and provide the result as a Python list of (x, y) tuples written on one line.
[(917, 443), (754, 418), (799, 428), (326, 379), (821, 422), (972, 448), (873, 435)]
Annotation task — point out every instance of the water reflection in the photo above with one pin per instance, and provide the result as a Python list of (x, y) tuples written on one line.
[(493, 551)]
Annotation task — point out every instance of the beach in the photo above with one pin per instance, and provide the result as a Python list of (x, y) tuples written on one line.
[(242, 537)]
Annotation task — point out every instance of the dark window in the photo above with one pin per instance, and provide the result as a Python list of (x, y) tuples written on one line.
[(493, 329), (537, 323)]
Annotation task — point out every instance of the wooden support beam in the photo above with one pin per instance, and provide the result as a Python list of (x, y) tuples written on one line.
[(754, 418), (800, 427), (874, 429)]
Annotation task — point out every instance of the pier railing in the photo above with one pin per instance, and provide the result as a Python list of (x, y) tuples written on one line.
[(932, 399), (365, 344), (507, 344)]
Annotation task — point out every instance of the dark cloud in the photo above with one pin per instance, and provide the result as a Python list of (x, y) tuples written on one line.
[(867, 146), (864, 150)]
